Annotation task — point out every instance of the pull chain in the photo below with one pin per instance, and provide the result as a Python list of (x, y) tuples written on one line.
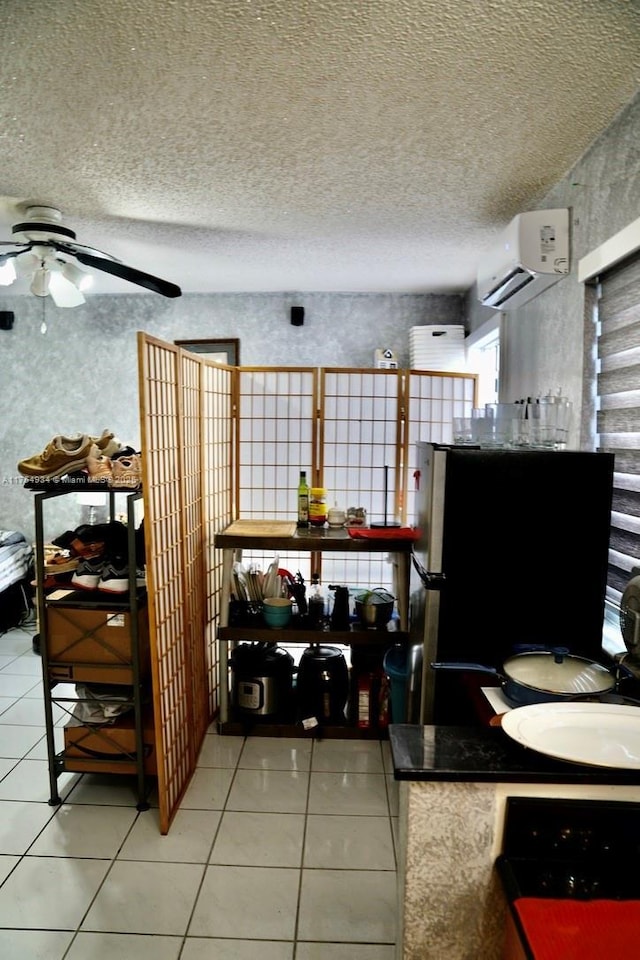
[(43, 325)]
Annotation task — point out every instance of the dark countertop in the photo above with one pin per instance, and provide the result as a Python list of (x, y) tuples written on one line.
[(485, 754)]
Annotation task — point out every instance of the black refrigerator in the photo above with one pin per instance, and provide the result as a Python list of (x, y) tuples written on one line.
[(512, 552)]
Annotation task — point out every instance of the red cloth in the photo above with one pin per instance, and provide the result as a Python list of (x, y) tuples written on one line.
[(383, 533), (581, 929)]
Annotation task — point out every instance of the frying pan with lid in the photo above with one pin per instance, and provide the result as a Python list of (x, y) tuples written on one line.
[(540, 676)]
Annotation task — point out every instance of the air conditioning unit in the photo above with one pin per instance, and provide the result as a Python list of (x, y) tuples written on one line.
[(531, 254)]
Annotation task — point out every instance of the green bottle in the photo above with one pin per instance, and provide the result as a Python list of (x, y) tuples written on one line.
[(303, 500)]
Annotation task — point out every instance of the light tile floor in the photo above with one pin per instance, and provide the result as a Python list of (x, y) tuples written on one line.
[(281, 849)]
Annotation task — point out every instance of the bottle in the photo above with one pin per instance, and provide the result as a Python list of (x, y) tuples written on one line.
[(316, 603), (303, 500), (318, 507), (365, 683)]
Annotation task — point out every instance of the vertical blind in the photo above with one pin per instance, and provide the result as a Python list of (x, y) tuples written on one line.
[(618, 418)]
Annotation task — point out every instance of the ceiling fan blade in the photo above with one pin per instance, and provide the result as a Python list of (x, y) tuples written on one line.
[(117, 269), (13, 253)]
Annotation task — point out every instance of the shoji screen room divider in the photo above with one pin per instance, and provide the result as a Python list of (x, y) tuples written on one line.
[(220, 443)]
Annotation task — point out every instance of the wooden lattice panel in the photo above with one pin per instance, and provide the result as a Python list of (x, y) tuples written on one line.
[(191, 477), (360, 433), (218, 458), (432, 400), (161, 450), (277, 437)]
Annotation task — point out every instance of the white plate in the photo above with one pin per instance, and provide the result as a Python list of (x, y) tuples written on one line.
[(602, 734)]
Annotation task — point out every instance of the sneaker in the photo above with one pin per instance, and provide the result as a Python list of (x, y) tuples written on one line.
[(123, 452), (107, 443), (88, 573), (60, 456), (98, 466), (114, 577), (127, 472)]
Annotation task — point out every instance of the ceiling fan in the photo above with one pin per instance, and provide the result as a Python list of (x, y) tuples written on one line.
[(46, 250)]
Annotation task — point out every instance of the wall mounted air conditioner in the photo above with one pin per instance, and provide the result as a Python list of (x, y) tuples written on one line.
[(531, 254)]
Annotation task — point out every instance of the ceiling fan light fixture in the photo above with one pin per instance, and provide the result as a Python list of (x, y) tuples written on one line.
[(40, 283), (44, 235), (64, 292), (7, 273), (79, 278), (26, 263)]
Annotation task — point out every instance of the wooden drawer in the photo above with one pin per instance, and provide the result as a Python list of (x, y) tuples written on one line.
[(87, 645), (109, 748)]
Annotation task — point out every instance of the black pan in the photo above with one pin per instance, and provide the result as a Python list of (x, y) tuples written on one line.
[(544, 676)]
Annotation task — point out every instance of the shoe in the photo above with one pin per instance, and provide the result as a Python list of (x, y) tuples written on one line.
[(53, 581), (60, 563), (114, 578), (123, 452), (107, 443), (127, 472), (88, 551), (98, 466), (66, 539), (60, 456), (88, 573)]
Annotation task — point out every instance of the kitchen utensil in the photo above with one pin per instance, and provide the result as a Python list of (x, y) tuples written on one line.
[(386, 522), (374, 608), (544, 676), (601, 734)]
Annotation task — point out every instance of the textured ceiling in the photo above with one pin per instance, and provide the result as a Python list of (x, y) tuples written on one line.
[(300, 145)]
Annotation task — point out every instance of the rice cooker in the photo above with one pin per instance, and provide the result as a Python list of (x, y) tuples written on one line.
[(262, 680)]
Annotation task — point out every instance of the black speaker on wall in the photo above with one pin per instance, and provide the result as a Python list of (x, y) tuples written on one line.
[(297, 316), (6, 319)]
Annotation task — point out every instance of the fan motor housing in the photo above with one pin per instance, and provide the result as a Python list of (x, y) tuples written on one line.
[(44, 223)]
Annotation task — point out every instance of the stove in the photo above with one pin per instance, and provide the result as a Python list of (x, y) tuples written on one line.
[(569, 870)]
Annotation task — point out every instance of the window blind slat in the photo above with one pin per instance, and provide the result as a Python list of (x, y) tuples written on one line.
[(618, 417)]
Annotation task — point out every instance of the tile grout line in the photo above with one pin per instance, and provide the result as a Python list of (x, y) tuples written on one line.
[(207, 863)]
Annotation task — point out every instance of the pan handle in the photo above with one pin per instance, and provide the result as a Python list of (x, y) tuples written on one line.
[(461, 665)]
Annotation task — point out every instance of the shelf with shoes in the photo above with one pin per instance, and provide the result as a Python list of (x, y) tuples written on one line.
[(83, 462), (93, 625)]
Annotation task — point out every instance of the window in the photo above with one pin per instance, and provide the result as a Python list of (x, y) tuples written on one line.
[(618, 413), (483, 358), (616, 269)]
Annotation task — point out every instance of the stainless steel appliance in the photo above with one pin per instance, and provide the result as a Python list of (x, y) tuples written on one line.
[(262, 680), (512, 554)]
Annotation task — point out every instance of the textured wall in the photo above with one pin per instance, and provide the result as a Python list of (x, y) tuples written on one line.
[(452, 903), (81, 376), (547, 344)]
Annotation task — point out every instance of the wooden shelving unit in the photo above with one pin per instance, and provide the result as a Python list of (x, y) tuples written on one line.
[(250, 535)]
